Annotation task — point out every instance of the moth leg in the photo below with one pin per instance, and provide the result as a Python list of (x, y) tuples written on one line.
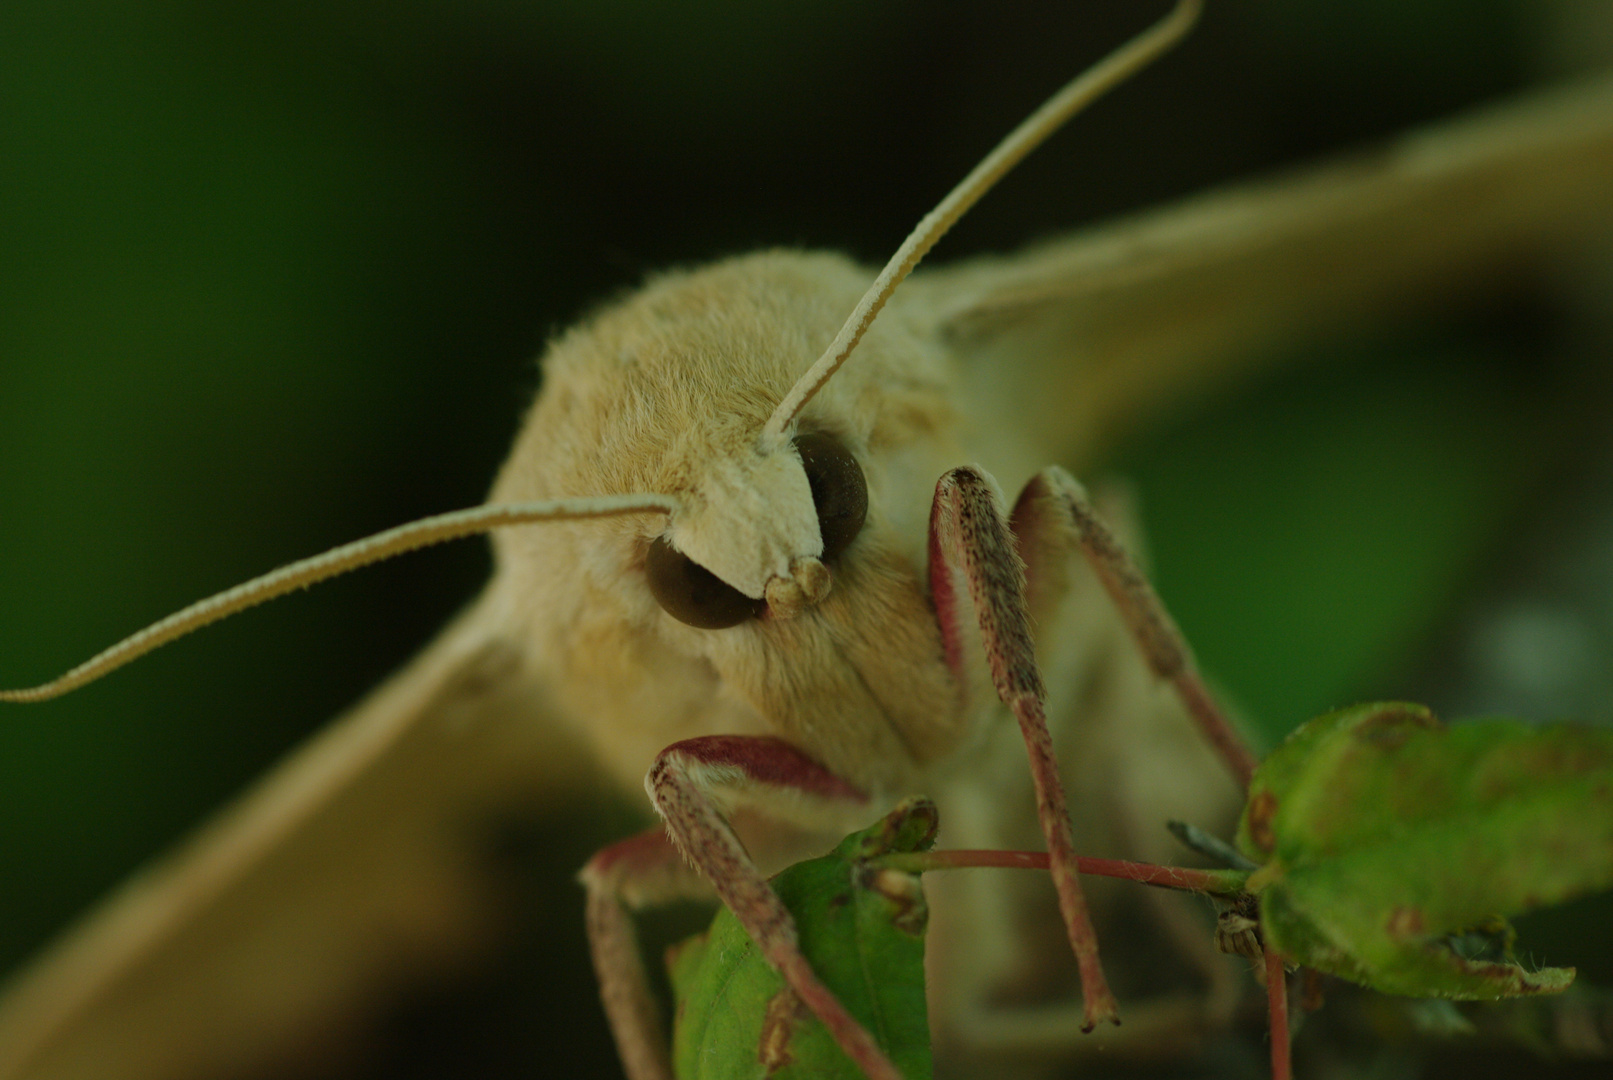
[(686, 783), (1054, 502), (970, 538), (1134, 762), (643, 871)]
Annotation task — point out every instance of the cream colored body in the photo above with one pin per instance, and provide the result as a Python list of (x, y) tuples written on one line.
[(352, 854), (665, 393)]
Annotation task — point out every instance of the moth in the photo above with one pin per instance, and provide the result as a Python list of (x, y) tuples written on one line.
[(490, 782)]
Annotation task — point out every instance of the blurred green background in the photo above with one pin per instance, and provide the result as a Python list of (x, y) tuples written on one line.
[(273, 276)]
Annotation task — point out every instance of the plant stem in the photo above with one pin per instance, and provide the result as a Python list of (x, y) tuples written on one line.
[(1217, 882), (1277, 1000)]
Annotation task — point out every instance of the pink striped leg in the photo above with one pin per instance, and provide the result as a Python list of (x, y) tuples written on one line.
[(1054, 511), (681, 783), (640, 872), (969, 536)]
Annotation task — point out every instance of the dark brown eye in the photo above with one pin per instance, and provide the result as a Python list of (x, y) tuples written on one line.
[(838, 490), (692, 594)]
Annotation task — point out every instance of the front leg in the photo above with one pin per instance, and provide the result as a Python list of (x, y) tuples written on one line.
[(970, 539), (685, 784)]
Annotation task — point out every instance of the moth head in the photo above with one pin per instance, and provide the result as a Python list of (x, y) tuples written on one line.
[(669, 390)]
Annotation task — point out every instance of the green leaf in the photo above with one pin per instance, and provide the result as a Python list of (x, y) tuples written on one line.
[(1393, 845), (861, 927)]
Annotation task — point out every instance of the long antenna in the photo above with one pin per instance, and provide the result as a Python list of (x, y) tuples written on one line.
[(1086, 88), (339, 560), (1082, 91)]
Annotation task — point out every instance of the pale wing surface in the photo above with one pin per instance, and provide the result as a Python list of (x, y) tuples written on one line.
[(1075, 337), (284, 916)]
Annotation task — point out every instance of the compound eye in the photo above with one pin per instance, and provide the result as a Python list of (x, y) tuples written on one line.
[(839, 492), (692, 594)]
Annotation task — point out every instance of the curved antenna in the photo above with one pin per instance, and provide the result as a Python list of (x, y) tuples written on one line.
[(339, 560), (1087, 87)]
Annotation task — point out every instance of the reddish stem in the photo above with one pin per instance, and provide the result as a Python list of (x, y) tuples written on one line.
[(1277, 1000), (1219, 882)]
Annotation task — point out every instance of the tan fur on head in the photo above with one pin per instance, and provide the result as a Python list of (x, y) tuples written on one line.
[(666, 392)]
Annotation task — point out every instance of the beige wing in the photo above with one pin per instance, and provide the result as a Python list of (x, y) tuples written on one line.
[(1102, 325), (278, 921)]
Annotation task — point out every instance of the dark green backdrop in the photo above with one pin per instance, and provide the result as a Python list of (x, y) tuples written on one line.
[(273, 276)]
